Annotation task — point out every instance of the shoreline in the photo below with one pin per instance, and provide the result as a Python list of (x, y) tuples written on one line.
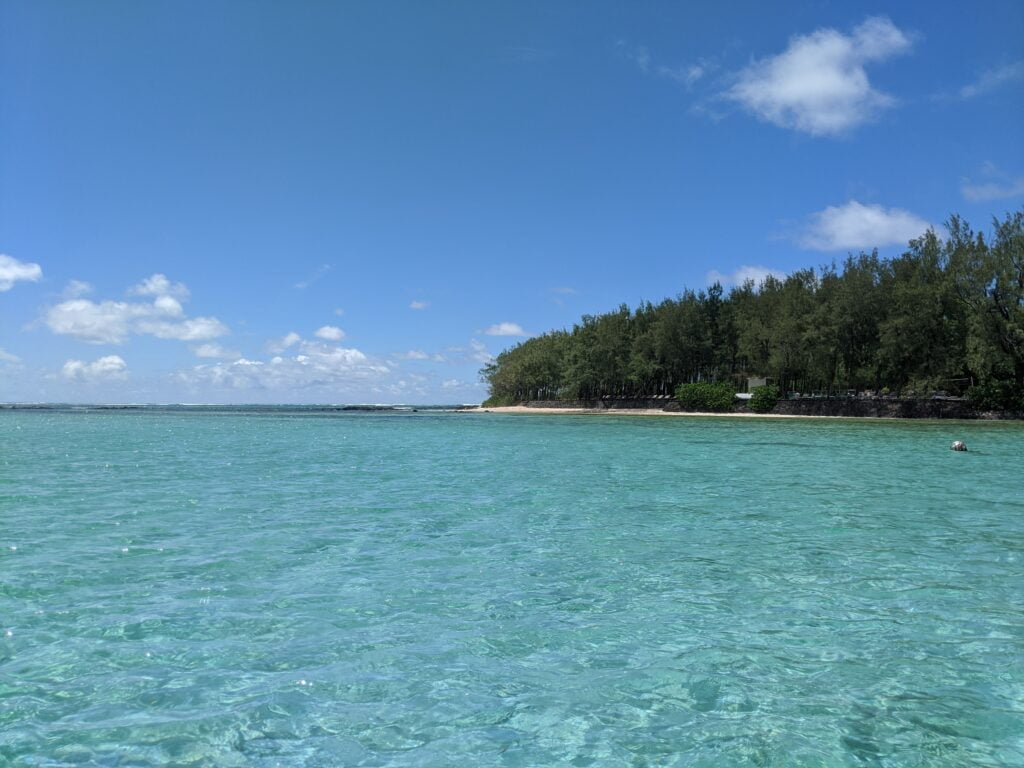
[(658, 412), (654, 412)]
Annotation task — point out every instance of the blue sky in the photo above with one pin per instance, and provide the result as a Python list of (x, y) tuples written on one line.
[(342, 202)]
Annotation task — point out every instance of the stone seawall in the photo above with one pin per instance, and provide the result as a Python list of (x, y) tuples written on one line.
[(888, 408), (878, 408), (660, 403)]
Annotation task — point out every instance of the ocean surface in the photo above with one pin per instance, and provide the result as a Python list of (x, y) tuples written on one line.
[(304, 587)]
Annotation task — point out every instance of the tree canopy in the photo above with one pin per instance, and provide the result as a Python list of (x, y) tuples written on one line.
[(942, 316)]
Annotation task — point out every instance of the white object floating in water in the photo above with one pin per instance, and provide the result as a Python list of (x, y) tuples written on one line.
[(959, 445)]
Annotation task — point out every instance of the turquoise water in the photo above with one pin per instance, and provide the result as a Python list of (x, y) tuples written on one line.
[(433, 589)]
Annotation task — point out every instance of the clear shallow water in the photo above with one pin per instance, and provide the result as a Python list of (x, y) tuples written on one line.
[(431, 589)]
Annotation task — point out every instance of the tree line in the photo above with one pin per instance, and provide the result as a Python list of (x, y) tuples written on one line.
[(945, 315)]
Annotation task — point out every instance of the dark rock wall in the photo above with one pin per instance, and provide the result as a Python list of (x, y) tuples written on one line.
[(664, 404), (884, 408)]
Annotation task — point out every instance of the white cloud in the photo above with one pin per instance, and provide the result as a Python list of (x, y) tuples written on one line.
[(993, 79), (111, 322), (856, 226), (280, 345), (639, 56), (740, 275), (110, 367), (419, 304), (506, 329), (687, 75), (76, 289), (338, 311), (168, 305), (1000, 185), (159, 285), (818, 84), (108, 322), (452, 384), (194, 329), (330, 333), (7, 357), (213, 350), (13, 271), (992, 190), (315, 365), (478, 352), (414, 354)]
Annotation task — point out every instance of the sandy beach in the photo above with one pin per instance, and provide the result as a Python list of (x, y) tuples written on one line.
[(647, 412)]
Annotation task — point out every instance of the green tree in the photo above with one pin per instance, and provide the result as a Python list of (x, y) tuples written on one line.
[(941, 315), (990, 283)]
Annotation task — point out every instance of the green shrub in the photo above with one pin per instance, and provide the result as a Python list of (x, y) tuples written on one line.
[(706, 396), (996, 396), (498, 401), (763, 399)]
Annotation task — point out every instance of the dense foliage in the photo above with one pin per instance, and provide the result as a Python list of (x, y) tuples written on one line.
[(706, 396), (763, 399), (499, 401), (996, 395), (943, 316)]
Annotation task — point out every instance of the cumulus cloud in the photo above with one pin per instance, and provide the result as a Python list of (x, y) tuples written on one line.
[(999, 185), (159, 285), (194, 329), (112, 322), (506, 329), (419, 304), (108, 368), (330, 333), (818, 85), (13, 271), (7, 357), (76, 289), (280, 345), (314, 365), (856, 226), (212, 350), (742, 274), (478, 352), (993, 79)]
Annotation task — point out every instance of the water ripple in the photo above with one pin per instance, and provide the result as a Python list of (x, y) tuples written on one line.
[(422, 589)]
